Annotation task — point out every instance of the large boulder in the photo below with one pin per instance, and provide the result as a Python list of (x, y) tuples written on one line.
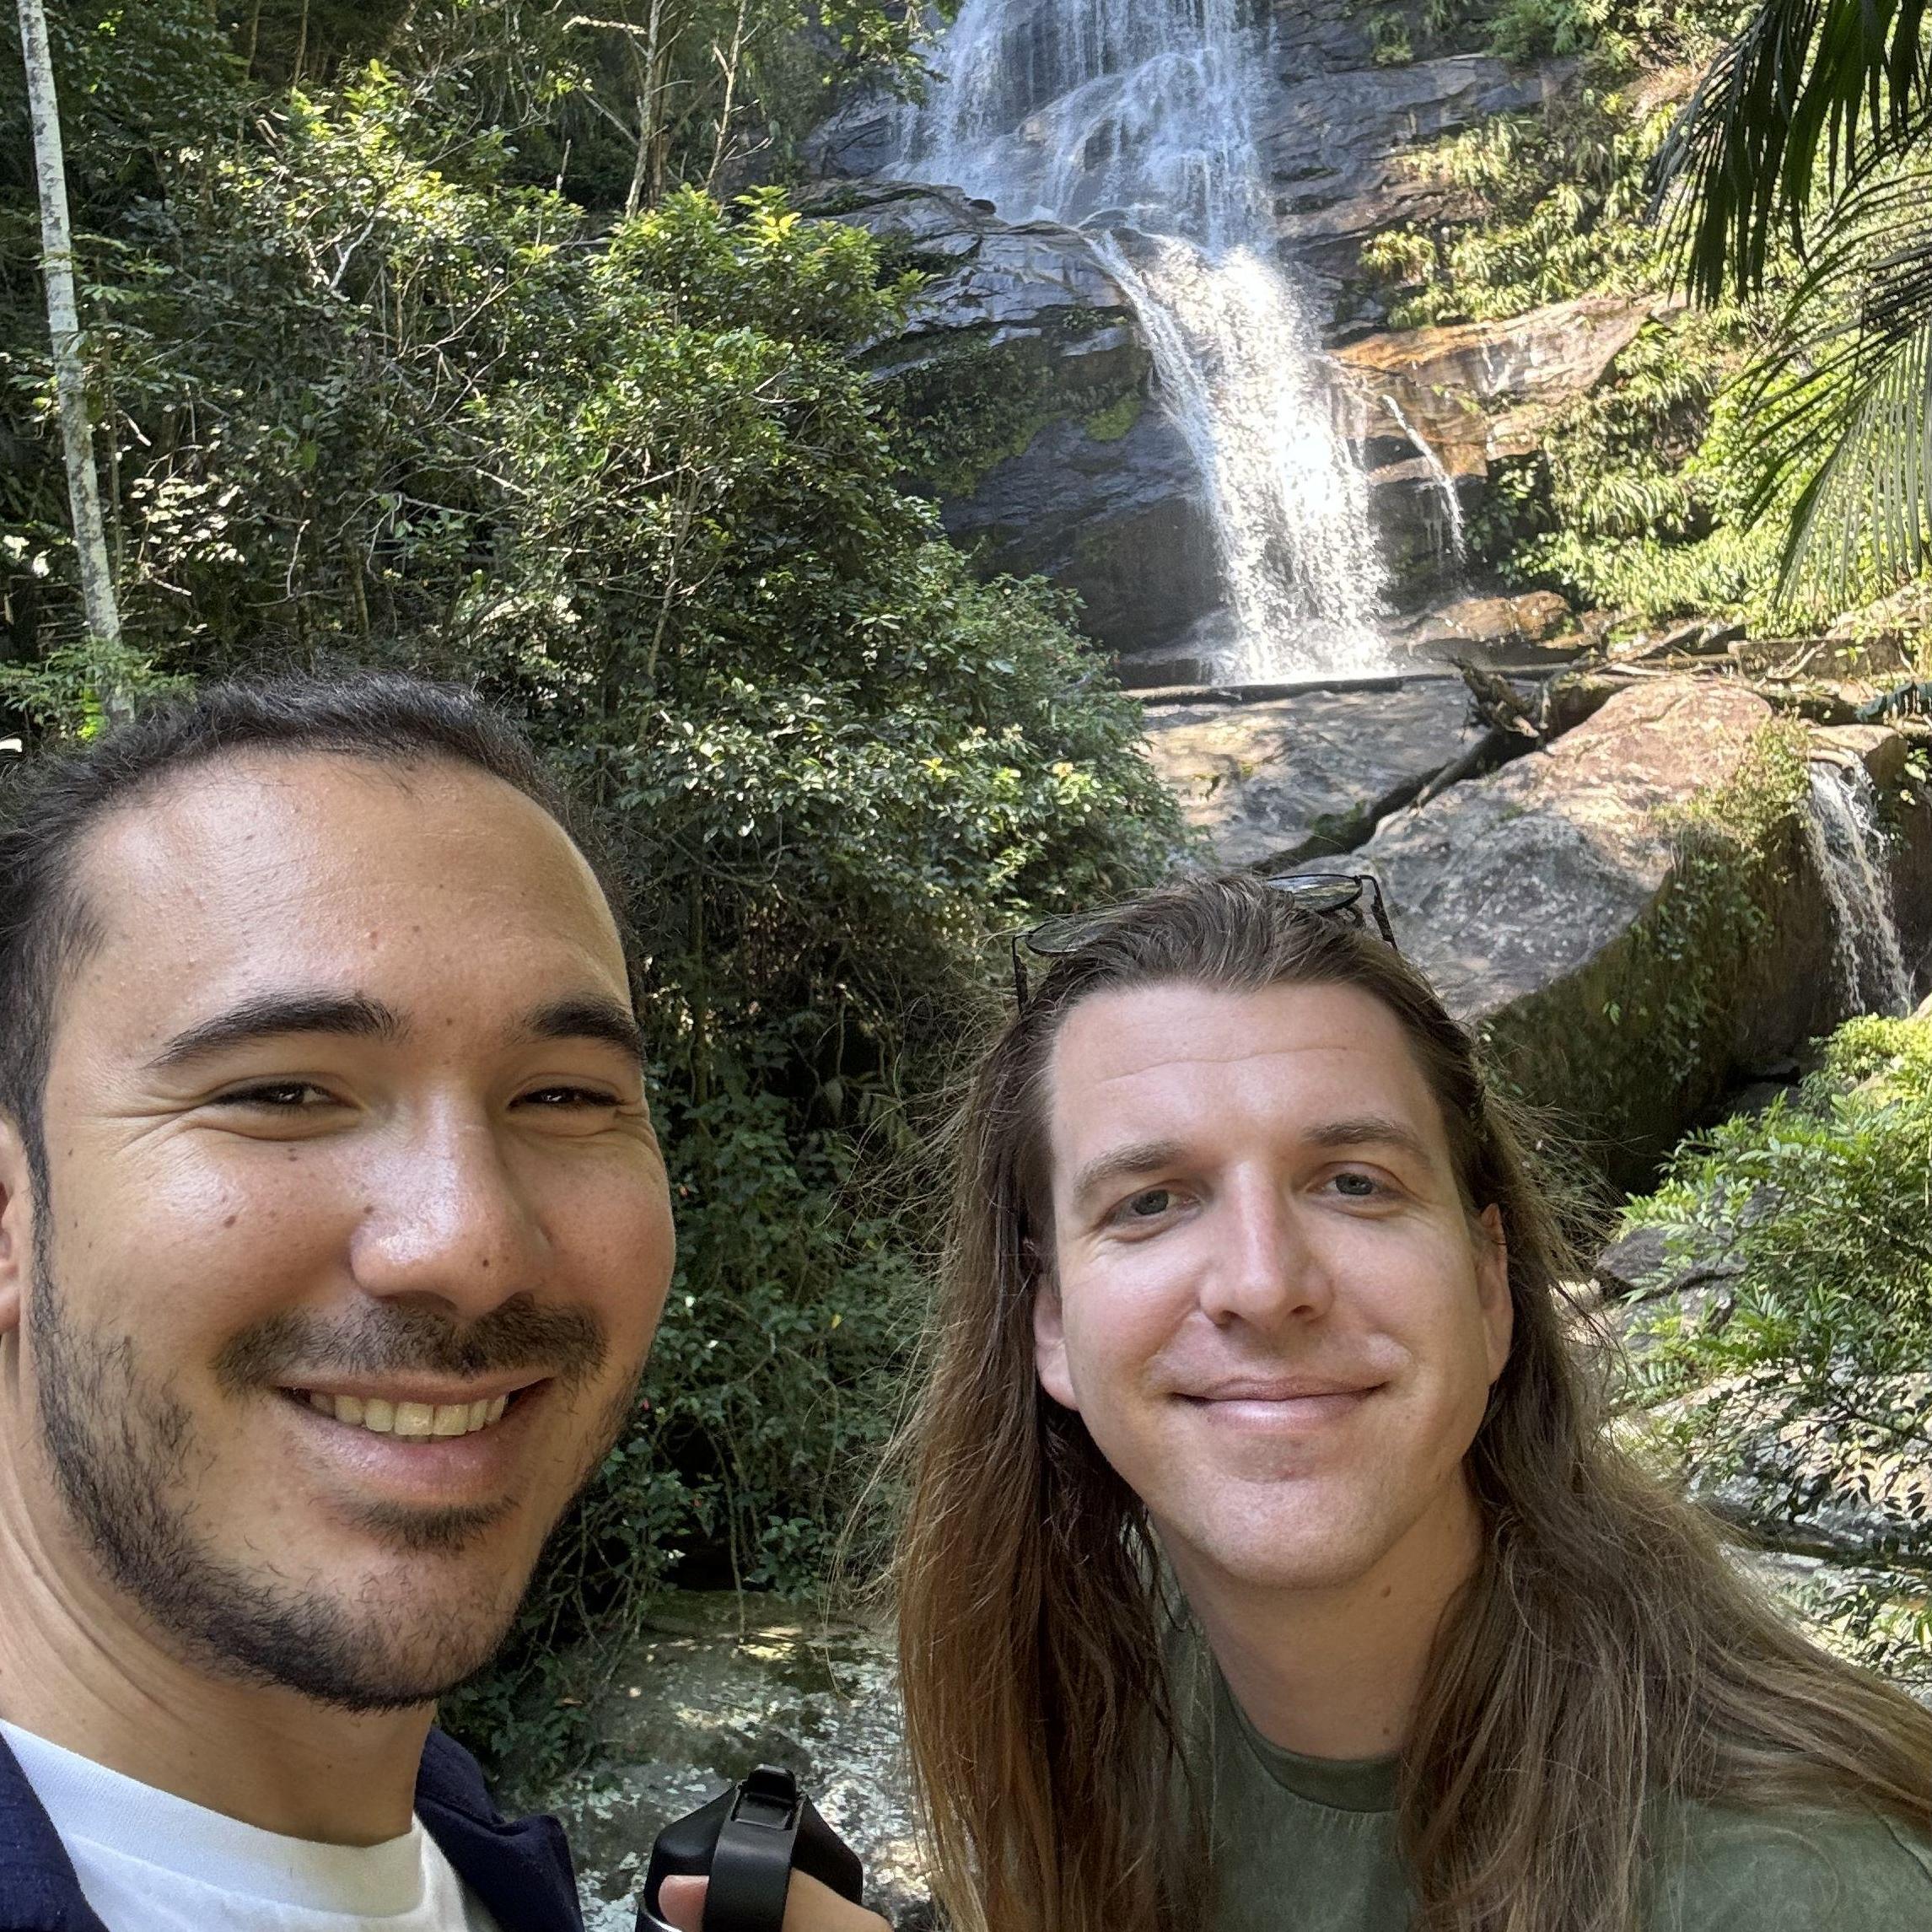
[(1273, 782), (718, 1684), (1630, 917)]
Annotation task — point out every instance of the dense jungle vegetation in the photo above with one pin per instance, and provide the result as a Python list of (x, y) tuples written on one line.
[(416, 338), (1792, 1384), (1756, 172)]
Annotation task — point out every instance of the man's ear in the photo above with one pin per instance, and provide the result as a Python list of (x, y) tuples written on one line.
[(1492, 1288), (16, 1225), (1050, 1341)]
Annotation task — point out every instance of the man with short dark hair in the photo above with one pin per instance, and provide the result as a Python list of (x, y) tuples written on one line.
[(333, 1234)]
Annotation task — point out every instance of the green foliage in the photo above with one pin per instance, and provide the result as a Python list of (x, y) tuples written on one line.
[(1808, 1373), (1551, 207), (1800, 167), (368, 394), (1642, 497), (1647, 488)]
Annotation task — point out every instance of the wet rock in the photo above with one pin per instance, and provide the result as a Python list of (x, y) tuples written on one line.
[(1022, 337), (986, 275), (1282, 780), (1531, 897), (1337, 144), (718, 1684), (1906, 803), (1123, 523), (1479, 391)]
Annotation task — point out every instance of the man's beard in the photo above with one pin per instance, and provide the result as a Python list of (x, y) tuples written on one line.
[(123, 1453)]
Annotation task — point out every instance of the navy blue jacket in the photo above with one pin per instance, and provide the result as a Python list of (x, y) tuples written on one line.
[(520, 1869)]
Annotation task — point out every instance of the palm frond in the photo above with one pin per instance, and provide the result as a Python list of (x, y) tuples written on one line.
[(1864, 517), (1841, 402), (1839, 82)]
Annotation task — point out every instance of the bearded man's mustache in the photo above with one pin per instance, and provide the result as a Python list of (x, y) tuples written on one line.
[(295, 1346)]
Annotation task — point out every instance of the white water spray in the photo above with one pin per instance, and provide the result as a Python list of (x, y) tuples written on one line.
[(1849, 848), (1135, 119), (1451, 528)]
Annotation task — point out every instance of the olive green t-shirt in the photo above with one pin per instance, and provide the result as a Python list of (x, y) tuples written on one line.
[(1305, 1844)]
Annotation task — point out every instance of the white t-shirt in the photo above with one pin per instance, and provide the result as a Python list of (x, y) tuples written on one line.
[(148, 1861)]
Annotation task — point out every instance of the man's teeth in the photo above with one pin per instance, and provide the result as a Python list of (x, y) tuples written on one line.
[(415, 1421)]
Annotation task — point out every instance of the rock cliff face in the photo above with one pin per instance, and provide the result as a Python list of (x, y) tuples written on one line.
[(1025, 373), (1479, 391), (1025, 361)]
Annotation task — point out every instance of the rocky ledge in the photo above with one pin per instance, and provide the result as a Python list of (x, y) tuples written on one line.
[(1637, 915)]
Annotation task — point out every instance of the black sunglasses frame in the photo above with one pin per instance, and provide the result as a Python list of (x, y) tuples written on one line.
[(1295, 886)]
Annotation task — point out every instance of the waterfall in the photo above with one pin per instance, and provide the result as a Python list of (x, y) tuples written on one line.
[(1849, 848), (1445, 483), (1136, 120)]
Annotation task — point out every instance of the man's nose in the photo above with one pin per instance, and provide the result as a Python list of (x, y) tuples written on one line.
[(1264, 1270), (444, 1217)]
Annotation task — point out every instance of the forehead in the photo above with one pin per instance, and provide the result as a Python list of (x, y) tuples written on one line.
[(1176, 1061), (320, 869)]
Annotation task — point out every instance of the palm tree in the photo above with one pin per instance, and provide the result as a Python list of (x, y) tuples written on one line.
[(1805, 159)]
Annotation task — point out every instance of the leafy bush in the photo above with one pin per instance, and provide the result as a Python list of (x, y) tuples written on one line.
[(1807, 1375)]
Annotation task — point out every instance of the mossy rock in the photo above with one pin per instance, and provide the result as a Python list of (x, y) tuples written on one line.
[(1630, 919)]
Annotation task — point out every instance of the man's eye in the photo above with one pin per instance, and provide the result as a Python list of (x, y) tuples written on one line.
[(1149, 1205), (277, 1095), (568, 1096), (1359, 1187)]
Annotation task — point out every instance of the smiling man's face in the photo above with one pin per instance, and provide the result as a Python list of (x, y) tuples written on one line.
[(355, 1231), (1269, 1306)]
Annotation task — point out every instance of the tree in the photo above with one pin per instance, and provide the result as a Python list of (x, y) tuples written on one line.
[(70, 374), (1803, 165)]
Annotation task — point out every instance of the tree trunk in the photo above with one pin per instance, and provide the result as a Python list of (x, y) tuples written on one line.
[(63, 326)]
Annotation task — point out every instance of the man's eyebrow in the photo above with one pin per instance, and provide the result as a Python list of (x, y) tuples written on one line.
[(1150, 1156), (590, 1017), (1124, 1164), (352, 1015), (1369, 1130)]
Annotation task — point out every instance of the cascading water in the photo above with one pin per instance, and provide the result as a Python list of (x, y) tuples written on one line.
[(1135, 120), (1848, 848), (1451, 535)]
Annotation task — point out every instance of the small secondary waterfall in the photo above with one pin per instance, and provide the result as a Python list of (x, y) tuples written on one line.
[(1452, 537), (1848, 847), (1135, 119)]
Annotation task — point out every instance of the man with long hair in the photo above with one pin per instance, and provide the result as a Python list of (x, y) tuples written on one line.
[(1268, 1565)]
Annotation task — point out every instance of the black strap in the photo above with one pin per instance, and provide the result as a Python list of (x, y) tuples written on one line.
[(751, 1869)]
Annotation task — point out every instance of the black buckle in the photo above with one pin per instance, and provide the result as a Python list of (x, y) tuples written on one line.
[(748, 1839)]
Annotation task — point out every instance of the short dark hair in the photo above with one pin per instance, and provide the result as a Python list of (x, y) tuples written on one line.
[(57, 798)]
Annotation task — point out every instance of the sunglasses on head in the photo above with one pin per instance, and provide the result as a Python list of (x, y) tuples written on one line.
[(1325, 894)]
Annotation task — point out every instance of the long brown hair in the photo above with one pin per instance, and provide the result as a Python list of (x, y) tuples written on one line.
[(1606, 1651)]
